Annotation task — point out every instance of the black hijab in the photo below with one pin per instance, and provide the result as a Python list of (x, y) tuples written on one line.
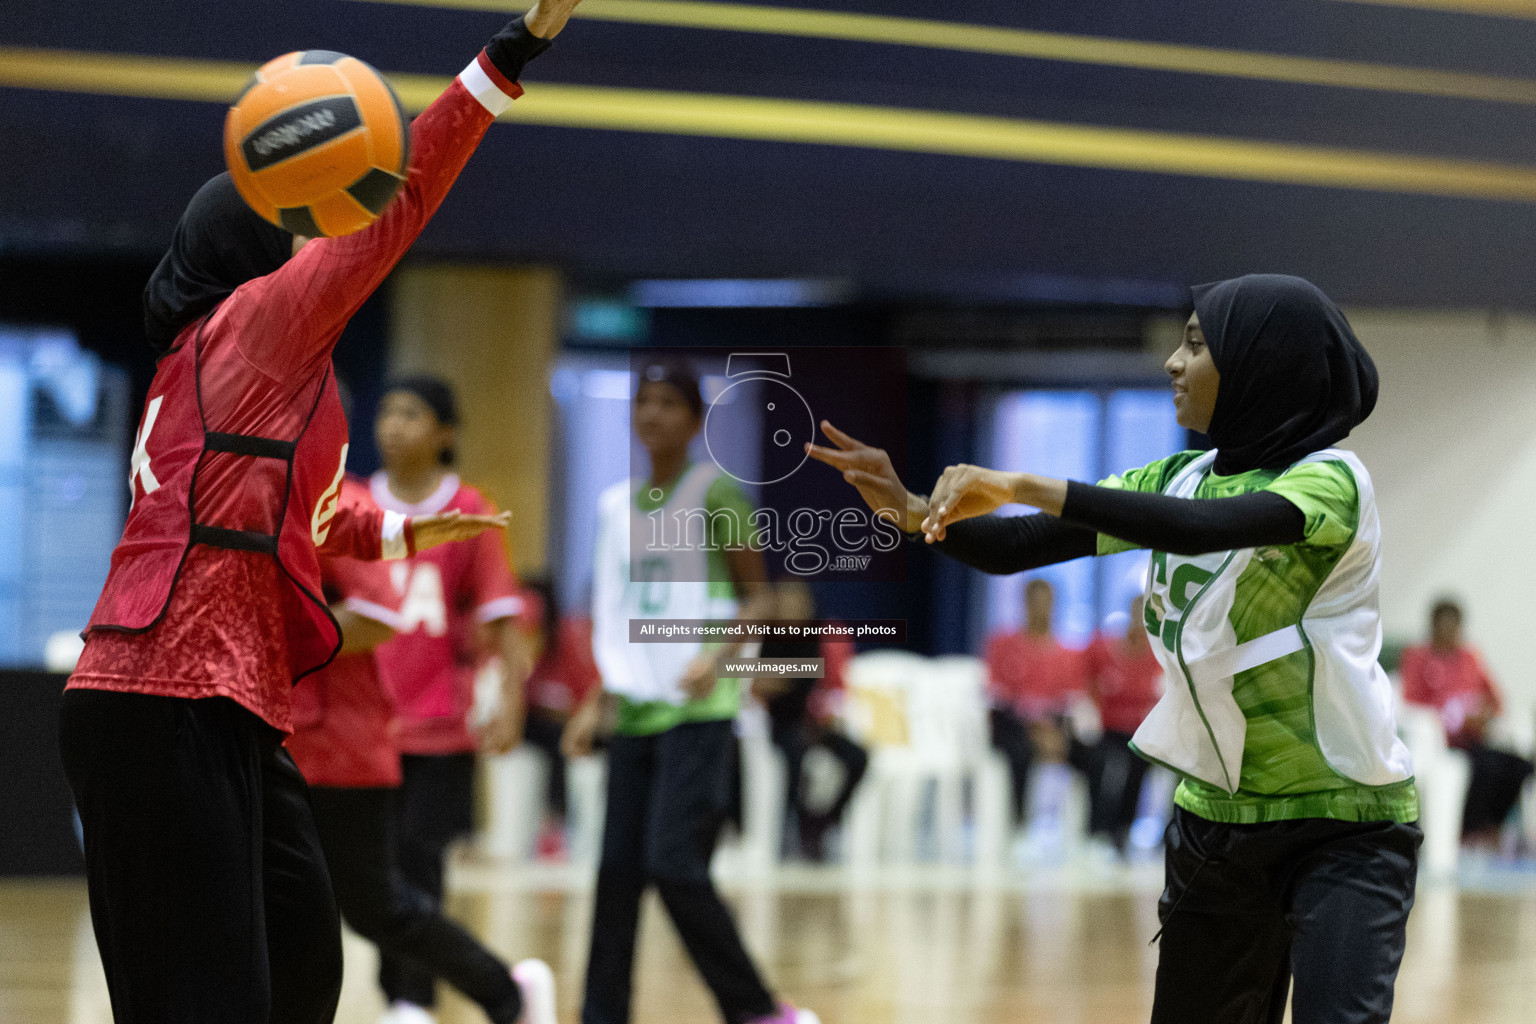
[(220, 244), (1294, 378)]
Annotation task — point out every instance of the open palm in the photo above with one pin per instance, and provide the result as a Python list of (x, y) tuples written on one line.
[(447, 527)]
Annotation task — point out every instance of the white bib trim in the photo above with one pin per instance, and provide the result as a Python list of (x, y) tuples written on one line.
[(1261, 650)]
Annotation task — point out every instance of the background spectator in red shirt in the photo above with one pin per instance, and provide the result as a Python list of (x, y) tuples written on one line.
[(1125, 680), (1448, 675), (1031, 679)]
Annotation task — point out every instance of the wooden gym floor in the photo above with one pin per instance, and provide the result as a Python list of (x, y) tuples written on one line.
[(904, 948)]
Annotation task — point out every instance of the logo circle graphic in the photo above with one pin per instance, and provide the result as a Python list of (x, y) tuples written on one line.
[(758, 407)]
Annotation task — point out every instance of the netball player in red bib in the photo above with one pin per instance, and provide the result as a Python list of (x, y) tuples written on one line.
[(208, 889), (458, 603), (344, 743)]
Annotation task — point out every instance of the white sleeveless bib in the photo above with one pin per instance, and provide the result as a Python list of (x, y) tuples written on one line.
[(1197, 727), (650, 566)]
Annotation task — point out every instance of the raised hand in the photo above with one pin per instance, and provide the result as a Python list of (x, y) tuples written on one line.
[(869, 470), (547, 17), (964, 492), (446, 527)]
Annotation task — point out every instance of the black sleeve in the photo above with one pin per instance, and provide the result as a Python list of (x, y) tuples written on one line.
[(513, 47), (1184, 526), (1007, 544)]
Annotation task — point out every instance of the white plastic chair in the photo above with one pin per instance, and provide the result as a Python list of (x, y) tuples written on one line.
[(516, 785), (586, 801), (925, 722), (515, 782), (954, 695), (764, 780), (876, 714), (992, 796), (1441, 774)]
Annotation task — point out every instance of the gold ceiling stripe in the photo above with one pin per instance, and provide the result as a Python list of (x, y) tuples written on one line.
[(835, 124), (1053, 46)]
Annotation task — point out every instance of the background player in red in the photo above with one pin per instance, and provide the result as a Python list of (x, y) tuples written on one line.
[(209, 894), (1448, 675), (1124, 680), (344, 743), (457, 602), (1031, 678)]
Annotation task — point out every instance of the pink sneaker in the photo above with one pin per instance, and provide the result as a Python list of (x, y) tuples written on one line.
[(787, 1014), (537, 982)]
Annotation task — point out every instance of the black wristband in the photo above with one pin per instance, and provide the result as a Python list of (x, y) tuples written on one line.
[(513, 47)]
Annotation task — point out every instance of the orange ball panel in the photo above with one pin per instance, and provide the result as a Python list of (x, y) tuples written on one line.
[(327, 168), (281, 92), (340, 214), (381, 113)]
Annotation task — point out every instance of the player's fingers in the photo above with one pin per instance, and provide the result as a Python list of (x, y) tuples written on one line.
[(839, 438), (943, 492), (860, 478), (831, 456), (947, 495)]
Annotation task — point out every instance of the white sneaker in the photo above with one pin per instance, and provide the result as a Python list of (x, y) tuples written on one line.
[(401, 1012), (538, 984)]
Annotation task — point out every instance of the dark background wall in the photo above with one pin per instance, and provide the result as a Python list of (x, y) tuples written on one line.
[(37, 812), (634, 204)]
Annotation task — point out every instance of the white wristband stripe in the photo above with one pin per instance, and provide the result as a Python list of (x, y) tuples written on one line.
[(485, 91), (376, 612), (394, 536), (500, 608)]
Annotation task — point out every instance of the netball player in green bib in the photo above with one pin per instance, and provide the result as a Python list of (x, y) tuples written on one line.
[(1294, 843)]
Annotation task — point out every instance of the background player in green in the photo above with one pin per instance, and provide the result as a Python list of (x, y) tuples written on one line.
[(670, 760), (1294, 846)]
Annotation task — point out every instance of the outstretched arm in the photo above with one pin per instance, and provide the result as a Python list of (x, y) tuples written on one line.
[(1185, 526), (315, 293), (994, 544), (371, 533), (1002, 545), (956, 517), (1182, 526)]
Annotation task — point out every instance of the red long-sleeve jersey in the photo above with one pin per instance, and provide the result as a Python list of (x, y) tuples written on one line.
[(185, 619)]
